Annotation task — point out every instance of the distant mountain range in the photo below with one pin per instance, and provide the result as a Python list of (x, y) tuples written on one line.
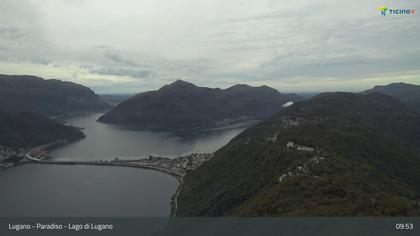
[(114, 99), (182, 105), (26, 129), (406, 93), (336, 154), (22, 93)]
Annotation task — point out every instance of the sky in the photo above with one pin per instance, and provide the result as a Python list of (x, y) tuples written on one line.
[(130, 46)]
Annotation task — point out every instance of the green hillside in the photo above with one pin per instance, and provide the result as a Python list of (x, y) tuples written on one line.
[(348, 155)]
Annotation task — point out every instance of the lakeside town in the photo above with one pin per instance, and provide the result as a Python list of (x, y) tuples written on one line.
[(10, 157), (177, 166)]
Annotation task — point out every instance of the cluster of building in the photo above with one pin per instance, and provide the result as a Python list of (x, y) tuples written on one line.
[(273, 138), (8, 156), (6, 152), (287, 122), (192, 161), (177, 165), (302, 148), (303, 169), (284, 122)]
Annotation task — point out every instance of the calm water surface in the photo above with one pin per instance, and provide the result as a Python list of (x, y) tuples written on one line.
[(48, 190), (55, 190), (110, 141)]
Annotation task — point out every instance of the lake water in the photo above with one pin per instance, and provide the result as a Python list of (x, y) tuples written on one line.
[(105, 141), (49, 190)]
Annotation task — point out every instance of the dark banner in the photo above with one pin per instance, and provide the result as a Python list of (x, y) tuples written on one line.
[(210, 226)]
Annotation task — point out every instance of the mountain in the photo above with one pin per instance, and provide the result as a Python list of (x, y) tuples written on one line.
[(114, 99), (26, 129), (182, 105), (336, 154), (406, 93), (22, 93)]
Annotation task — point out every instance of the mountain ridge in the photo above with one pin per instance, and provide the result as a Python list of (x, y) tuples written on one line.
[(409, 94), (27, 129), (26, 93), (183, 105), (337, 154)]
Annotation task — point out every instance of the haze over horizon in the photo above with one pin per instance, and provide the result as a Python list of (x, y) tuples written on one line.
[(130, 46)]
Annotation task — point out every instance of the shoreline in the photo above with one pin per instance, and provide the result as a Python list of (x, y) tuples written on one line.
[(174, 198), (216, 125)]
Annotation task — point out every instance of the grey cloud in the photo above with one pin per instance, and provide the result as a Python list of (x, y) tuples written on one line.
[(21, 33), (11, 33), (117, 58), (346, 67), (218, 43), (123, 72), (282, 14), (18, 14)]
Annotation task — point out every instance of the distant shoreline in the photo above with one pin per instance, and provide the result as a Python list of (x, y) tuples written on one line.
[(246, 122)]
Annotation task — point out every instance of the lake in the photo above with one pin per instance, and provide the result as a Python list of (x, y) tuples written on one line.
[(49, 190), (105, 141)]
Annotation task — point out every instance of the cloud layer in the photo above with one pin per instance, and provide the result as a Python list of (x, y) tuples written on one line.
[(136, 45)]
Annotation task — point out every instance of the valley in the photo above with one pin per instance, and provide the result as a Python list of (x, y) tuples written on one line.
[(142, 154), (301, 157)]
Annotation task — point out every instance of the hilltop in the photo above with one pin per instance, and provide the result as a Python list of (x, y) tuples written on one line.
[(409, 94), (26, 129), (24, 93), (183, 105)]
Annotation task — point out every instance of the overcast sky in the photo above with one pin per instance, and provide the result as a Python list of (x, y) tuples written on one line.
[(127, 46)]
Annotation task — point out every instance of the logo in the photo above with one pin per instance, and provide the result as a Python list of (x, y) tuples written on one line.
[(385, 10)]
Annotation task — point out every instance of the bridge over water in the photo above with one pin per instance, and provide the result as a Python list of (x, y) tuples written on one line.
[(176, 167)]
